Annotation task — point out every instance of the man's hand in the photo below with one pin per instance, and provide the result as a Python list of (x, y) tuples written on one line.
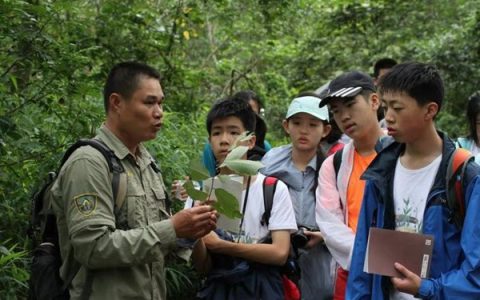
[(409, 283), (194, 222), (315, 237)]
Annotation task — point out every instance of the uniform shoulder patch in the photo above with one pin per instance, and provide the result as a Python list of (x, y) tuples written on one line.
[(86, 203)]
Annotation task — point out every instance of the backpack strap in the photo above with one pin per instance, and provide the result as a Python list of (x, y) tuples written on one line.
[(48, 231), (42, 216), (269, 186), (337, 161), (154, 165), (455, 174), (119, 177)]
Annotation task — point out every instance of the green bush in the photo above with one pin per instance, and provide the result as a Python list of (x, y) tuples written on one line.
[(55, 56), (13, 271)]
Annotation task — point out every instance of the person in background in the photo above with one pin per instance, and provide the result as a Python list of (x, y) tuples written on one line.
[(261, 145), (336, 139), (380, 68), (332, 137), (472, 141), (332, 142), (297, 165)]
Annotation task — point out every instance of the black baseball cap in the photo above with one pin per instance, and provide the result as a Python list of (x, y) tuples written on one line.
[(348, 85)]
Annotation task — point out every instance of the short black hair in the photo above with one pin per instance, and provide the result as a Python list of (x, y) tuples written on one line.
[(231, 106), (248, 95), (473, 109), (383, 63), (420, 81), (124, 77)]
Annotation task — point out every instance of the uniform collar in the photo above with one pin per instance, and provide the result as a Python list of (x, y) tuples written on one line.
[(113, 142), (144, 159), (311, 164), (121, 151)]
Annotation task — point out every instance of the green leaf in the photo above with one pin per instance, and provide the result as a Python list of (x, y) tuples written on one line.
[(198, 171), (245, 136), (224, 178), (242, 166), (237, 153), (193, 192), (227, 204), (13, 79)]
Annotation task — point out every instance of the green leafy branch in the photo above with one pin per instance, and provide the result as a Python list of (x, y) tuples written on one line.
[(225, 203)]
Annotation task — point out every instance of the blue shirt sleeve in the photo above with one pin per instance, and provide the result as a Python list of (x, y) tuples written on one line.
[(209, 160)]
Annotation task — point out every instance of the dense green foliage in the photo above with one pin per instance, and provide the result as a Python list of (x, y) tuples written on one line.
[(54, 57)]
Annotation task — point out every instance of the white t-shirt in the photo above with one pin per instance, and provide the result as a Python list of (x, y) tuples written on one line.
[(282, 216), (410, 192)]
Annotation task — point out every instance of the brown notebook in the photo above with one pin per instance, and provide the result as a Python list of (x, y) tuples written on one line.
[(385, 247)]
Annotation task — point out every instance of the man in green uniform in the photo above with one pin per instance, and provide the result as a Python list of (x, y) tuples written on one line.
[(121, 249)]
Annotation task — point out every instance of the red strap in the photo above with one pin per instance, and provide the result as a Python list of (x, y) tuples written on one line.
[(290, 290), (460, 156), (270, 180)]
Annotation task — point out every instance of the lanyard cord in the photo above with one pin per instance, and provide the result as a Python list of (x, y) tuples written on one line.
[(244, 207)]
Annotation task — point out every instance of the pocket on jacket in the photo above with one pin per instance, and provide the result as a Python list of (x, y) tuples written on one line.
[(136, 210), (158, 209)]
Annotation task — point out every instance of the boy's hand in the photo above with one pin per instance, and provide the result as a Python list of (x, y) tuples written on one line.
[(409, 283), (212, 241), (315, 237)]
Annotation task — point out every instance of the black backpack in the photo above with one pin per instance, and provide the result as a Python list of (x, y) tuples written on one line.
[(45, 282)]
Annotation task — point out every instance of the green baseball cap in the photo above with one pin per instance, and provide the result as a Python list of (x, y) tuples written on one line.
[(309, 105)]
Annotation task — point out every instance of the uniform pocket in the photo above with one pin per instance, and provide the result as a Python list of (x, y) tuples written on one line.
[(160, 212), (135, 211)]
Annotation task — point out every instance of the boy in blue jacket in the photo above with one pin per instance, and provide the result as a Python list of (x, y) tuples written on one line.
[(406, 189)]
